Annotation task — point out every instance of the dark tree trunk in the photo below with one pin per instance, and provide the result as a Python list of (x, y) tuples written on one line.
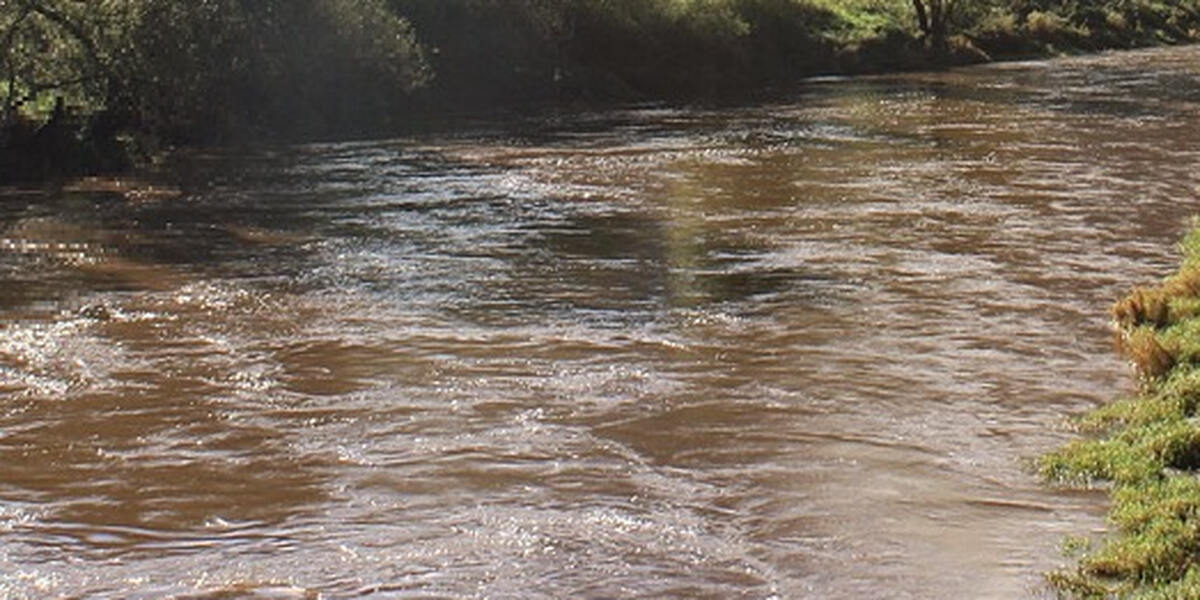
[(922, 16), (933, 18)]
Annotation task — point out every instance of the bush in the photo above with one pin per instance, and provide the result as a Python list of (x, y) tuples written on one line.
[(223, 68)]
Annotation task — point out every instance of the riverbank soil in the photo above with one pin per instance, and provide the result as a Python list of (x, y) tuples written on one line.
[(1147, 448)]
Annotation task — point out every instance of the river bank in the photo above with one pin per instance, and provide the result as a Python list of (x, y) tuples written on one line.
[(1146, 449), (156, 75)]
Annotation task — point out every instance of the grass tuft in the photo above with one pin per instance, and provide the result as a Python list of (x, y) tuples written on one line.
[(1142, 307), (1151, 357)]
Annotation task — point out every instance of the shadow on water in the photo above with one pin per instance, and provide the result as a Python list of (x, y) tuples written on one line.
[(628, 262)]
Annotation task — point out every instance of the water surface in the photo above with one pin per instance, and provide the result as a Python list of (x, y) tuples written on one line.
[(794, 349)]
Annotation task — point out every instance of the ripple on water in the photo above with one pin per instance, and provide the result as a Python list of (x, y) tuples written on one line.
[(793, 350)]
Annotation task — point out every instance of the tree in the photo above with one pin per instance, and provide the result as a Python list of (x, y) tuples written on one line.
[(50, 46), (205, 70), (933, 19)]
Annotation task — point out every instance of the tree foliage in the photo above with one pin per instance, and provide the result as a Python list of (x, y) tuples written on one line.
[(50, 45), (490, 51), (205, 69)]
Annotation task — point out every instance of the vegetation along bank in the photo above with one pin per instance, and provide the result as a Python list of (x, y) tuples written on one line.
[(86, 85), (1147, 448)]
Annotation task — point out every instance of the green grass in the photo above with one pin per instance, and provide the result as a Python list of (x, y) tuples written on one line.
[(1146, 448), (868, 19)]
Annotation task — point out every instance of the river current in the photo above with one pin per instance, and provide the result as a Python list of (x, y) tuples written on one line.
[(797, 348)]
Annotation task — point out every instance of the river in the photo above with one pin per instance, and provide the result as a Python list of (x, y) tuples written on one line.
[(797, 348)]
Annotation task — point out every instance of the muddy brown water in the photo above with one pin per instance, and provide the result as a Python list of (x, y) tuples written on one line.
[(794, 349)]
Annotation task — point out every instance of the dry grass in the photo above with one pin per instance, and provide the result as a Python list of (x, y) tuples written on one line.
[(1143, 306), (1149, 355), (1162, 305)]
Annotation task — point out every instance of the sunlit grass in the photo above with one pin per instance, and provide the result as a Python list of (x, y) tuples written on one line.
[(866, 19)]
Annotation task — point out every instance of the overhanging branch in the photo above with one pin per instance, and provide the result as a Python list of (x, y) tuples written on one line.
[(73, 29)]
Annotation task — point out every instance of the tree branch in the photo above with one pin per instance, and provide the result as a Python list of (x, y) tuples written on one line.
[(71, 28), (922, 16)]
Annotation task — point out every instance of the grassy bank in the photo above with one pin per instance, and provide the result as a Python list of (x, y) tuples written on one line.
[(1147, 449), (141, 73)]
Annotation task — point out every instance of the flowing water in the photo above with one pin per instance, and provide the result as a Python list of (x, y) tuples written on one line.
[(800, 348)]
